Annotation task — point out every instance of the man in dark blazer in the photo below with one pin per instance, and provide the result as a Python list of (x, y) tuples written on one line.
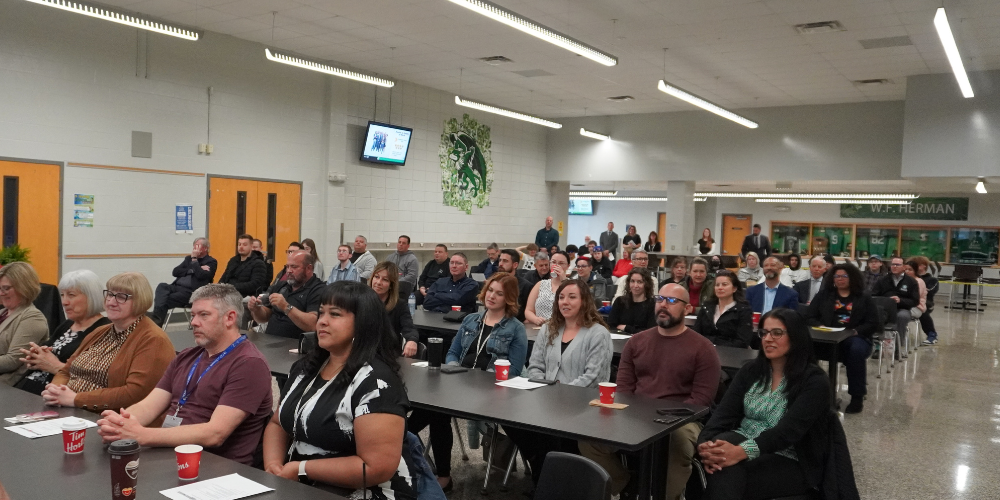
[(757, 243), (808, 289), (609, 242), (902, 289), (771, 294)]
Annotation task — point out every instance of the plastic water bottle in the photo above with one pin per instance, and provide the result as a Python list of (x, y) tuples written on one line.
[(412, 301)]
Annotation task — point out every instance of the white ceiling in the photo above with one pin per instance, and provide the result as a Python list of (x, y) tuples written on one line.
[(737, 53)]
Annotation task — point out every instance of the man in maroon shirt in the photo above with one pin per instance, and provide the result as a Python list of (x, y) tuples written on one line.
[(217, 395), (670, 362)]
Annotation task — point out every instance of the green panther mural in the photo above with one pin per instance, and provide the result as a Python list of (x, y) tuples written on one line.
[(466, 164)]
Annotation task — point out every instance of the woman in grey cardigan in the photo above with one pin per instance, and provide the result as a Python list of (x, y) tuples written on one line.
[(573, 347)]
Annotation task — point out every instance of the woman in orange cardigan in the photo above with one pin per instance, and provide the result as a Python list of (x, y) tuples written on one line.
[(120, 364)]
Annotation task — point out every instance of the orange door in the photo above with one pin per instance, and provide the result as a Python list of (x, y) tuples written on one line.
[(734, 229), (31, 217), (268, 211), (661, 228)]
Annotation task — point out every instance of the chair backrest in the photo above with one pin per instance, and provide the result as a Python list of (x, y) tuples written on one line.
[(801, 309), (572, 477), (49, 302), (887, 310), (967, 272), (421, 351)]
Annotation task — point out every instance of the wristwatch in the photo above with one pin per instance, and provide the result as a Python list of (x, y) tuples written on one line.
[(302, 471), (288, 309)]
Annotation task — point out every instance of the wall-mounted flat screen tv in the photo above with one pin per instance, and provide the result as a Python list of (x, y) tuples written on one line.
[(581, 207), (386, 144)]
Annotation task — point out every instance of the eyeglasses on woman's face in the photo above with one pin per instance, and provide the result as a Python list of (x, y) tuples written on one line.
[(121, 298), (775, 333)]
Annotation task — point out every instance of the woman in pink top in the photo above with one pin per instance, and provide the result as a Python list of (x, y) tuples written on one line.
[(911, 270)]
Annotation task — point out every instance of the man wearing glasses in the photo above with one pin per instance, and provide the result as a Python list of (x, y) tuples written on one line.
[(904, 291), (672, 362), (640, 260), (598, 285)]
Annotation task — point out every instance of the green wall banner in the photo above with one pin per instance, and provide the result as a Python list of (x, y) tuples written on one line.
[(918, 209), (466, 164)]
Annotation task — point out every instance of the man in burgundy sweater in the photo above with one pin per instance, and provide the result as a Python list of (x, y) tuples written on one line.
[(670, 362)]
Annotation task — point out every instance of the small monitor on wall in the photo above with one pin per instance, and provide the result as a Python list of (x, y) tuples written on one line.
[(581, 207), (387, 144)]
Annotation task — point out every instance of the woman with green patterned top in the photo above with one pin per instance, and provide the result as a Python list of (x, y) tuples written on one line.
[(768, 437)]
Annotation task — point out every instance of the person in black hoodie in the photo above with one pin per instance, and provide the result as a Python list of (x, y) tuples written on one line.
[(843, 303), (197, 270), (434, 270), (768, 437), (246, 270), (902, 289), (732, 327)]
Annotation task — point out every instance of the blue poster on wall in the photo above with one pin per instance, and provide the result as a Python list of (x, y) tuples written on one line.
[(185, 219)]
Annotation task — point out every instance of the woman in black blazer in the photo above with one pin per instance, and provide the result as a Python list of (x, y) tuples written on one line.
[(768, 437), (385, 282), (844, 303), (734, 327)]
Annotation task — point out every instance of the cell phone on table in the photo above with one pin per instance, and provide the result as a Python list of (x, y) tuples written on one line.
[(666, 420), (679, 412), (453, 369)]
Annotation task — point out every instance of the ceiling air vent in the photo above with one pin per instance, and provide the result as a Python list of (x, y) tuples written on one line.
[(495, 60), (823, 27), (874, 82), (621, 98), (880, 43)]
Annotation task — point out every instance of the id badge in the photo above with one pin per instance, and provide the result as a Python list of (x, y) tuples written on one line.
[(172, 421)]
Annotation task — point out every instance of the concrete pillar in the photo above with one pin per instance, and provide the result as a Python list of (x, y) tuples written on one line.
[(334, 150), (559, 209), (680, 217)]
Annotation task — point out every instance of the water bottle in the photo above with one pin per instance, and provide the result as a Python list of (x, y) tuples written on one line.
[(412, 301)]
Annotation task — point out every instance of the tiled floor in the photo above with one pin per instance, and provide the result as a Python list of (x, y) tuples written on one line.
[(930, 429)]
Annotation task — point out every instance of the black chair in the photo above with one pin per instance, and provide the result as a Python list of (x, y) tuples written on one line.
[(572, 477), (49, 302)]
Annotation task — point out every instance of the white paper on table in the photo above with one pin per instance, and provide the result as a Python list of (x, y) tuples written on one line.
[(829, 328), (228, 487), (619, 336), (420, 364), (46, 427), (520, 383)]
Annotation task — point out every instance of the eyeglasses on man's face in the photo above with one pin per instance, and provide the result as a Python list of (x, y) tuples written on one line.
[(669, 300), (121, 298)]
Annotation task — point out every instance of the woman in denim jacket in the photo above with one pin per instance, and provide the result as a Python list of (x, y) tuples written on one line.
[(482, 339)]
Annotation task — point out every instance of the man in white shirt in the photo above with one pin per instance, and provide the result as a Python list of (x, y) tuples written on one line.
[(809, 288)]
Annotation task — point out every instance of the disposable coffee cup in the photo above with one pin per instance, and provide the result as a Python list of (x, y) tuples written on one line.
[(456, 308), (607, 392), (188, 461), (124, 468), (606, 303), (435, 352), (756, 319), (74, 433), (502, 369)]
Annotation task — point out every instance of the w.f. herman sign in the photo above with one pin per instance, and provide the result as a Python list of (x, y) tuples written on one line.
[(919, 208)]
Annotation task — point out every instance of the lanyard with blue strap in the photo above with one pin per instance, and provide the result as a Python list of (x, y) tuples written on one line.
[(187, 393)]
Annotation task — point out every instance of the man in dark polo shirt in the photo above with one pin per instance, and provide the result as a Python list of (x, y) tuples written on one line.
[(455, 290), (217, 395), (294, 303)]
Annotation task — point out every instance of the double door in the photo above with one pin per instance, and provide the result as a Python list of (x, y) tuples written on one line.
[(267, 210)]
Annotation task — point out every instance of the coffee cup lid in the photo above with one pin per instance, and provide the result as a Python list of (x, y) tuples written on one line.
[(74, 424), (608, 384), (501, 362), (188, 448), (123, 446), (435, 340)]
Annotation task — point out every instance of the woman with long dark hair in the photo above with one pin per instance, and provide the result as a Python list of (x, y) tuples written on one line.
[(843, 303), (310, 246), (633, 312), (653, 243), (726, 318), (385, 281), (342, 416), (768, 437)]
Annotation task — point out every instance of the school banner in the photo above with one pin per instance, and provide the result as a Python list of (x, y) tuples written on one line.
[(918, 209)]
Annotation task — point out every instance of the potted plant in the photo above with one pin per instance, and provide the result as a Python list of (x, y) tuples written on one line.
[(14, 253)]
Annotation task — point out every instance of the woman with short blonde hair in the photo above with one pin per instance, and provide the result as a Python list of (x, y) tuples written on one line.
[(120, 364), (21, 323)]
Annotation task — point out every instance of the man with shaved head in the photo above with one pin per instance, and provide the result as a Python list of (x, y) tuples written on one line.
[(672, 362)]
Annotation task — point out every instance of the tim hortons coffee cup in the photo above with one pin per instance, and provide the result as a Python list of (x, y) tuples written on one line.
[(188, 461), (502, 368), (74, 432), (456, 308), (606, 303), (756, 319), (607, 392), (435, 352), (124, 468)]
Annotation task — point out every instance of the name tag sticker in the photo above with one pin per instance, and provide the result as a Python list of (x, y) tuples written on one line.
[(172, 421)]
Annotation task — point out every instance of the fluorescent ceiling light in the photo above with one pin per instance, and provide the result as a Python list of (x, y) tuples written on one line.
[(498, 13), (505, 112), (700, 198), (594, 135), (951, 50), (981, 186), (118, 17), (621, 198), (325, 68), (703, 104), (577, 194), (832, 200), (866, 196)]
